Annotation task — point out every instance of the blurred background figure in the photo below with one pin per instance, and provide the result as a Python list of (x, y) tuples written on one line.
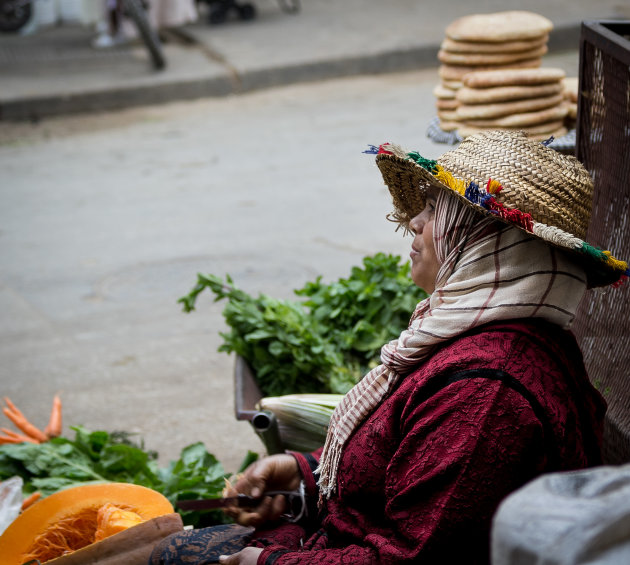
[(26, 18), (115, 29)]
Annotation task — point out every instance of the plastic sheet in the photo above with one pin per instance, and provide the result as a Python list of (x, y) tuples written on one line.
[(573, 518), (10, 501)]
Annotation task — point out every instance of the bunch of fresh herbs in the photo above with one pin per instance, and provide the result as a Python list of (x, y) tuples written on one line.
[(99, 456), (287, 349), (367, 309), (324, 343)]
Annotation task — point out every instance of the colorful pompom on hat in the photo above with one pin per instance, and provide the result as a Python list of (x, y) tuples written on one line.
[(518, 180)]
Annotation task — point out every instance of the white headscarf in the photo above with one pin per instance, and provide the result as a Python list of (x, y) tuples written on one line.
[(489, 271)]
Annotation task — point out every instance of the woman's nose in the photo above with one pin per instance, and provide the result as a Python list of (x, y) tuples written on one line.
[(417, 224)]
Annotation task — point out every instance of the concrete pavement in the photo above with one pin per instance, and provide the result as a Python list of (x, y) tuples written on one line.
[(106, 217), (55, 71)]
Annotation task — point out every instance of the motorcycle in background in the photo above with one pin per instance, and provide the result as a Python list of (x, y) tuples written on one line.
[(15, 14)]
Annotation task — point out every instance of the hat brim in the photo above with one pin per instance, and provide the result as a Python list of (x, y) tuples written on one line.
[(407, 182)]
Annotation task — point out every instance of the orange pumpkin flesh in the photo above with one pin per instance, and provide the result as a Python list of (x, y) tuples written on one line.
[(112, 519), (70, 517)]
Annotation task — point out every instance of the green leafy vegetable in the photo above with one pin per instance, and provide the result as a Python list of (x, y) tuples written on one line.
[(366, 310), (287, 348), (324, 343), (97, 456)]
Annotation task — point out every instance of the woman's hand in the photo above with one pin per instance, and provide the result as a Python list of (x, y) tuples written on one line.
[(276, 472), (247, 556)]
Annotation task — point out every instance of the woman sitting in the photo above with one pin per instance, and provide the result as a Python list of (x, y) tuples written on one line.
[(485, 390)]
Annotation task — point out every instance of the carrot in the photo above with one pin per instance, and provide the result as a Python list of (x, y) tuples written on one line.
[(13, 407), (25, 426), (13, 437), (53, 429), (20, 421), (7, 439), (30, 500)]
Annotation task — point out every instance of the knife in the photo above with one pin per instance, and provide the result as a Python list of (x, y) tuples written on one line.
[(240, 501), (295, 500)]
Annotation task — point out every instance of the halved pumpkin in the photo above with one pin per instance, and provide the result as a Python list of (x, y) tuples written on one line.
[(67, 520)]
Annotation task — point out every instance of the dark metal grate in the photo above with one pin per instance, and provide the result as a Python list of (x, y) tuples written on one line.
[(603, 145)]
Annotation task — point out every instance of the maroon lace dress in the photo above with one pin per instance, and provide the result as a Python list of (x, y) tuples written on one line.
[(420, 479)]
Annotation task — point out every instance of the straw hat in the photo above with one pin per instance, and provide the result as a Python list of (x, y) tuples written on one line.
[(519, 181)]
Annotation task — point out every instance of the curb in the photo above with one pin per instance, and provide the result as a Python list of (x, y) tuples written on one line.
[(36, 107)]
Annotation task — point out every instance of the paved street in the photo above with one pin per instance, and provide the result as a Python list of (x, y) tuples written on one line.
[(55, 72), (107, 218)]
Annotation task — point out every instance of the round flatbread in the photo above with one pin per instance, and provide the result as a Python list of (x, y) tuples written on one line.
[(523, 119), (442, 104), (513, 77), (465, 131), (452, 84), (571, 88), (467, 95), (481, 59), (443, 93), (560, 132), (497, 27), (454, 46), (447, 115), (499, 109), (538, 128), (458, 72), (448, 126)]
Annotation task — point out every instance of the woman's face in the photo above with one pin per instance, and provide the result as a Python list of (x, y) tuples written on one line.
[(424, 262)]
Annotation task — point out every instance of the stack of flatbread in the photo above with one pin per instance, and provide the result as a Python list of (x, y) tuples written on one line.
[(532, 100), (484, 42), (571, 100)]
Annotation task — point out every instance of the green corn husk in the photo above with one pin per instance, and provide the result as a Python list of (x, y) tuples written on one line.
[(302, 418)]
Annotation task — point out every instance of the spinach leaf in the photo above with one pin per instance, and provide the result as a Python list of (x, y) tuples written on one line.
[(287, 348), (324, 342), (101, 456)]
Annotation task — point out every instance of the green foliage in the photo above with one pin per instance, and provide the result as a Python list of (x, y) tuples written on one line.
[(324, 343), (366, 310), (277, 337), (98, 456)]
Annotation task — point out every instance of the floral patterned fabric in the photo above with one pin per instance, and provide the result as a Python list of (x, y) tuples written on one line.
[(200, 547)]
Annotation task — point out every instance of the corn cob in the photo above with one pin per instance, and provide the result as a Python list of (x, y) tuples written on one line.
[(302, 418)]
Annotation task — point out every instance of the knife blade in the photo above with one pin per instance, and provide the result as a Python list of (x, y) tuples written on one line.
[(240, 501)]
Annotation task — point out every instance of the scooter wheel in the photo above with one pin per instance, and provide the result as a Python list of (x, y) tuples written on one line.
[(246, 12), (14, 15)]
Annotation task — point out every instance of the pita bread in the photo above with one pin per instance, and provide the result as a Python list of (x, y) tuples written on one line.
[(452, 84), (454, 46), (571, 89), (447, 115), (465, 131), (560, 132), (443, 104), (523, 119), (458, 72), (467, 95), (498, 27), (545, 127), (448, 126), (443, 93), (499, 109), (513, 77), (480, 59)]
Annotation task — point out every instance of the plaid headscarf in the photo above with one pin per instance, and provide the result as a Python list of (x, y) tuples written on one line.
[(489, 271)]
